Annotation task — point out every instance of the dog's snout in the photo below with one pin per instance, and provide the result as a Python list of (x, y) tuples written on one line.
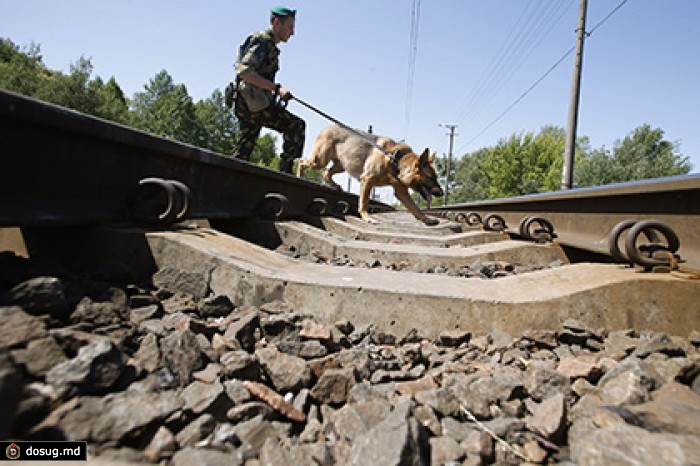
[(437, 191)]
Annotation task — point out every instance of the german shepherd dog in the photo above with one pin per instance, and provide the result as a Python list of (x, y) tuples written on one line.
[(403, 169)]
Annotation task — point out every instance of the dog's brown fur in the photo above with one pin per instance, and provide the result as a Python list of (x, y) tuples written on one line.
[(373, 168)]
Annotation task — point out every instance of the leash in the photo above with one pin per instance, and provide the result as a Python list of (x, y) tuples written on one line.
[(355, 132)]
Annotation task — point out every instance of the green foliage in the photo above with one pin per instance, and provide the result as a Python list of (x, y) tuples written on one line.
[(20, 71), (471, 182), (219, 126), (643, 154), (264, 152), (166, 109), (24, 72), (524, 163), (528, 163)]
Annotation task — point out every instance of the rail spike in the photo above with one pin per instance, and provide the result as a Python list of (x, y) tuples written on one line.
[(318, 207), (154, 201), (646, 255), (543, 231), (615, 235), (494, 222), (273, 206), (184, 200)]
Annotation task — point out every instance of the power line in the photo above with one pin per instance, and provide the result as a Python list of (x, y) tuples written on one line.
[(524, 94), (412, 53), (531, 28)]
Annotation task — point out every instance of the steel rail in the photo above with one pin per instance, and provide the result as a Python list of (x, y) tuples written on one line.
[(583, 218), (59, 166)]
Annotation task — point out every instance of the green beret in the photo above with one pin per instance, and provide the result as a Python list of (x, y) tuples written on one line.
[(283, 11)]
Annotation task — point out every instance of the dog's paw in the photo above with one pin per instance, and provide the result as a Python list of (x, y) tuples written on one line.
[(369, 219), (431, 221)]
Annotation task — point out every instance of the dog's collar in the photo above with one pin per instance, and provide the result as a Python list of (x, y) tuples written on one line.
[(395, 158)]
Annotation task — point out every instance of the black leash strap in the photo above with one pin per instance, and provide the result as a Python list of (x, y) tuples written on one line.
[(344, 126)]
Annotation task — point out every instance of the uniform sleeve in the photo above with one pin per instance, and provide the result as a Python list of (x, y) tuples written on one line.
[(252, 59)]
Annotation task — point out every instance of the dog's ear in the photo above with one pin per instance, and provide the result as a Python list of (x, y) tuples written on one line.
[(433, 156), (424, 157)]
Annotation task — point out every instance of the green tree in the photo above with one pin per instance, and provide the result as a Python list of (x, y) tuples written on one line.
[(264, 152), (25, 73), (643, 154), (166, 109), (73, 90), (20, 71), (111, 101), (219, 125), (470, 178), (646, 154), (525, 163)]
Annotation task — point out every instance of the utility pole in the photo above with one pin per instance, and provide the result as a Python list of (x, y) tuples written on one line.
[(567, 176), (451, 134)]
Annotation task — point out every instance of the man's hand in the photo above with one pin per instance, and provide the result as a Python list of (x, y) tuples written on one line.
[(285, 94)]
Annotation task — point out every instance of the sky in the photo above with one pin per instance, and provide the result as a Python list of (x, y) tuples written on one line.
[(406, 67)]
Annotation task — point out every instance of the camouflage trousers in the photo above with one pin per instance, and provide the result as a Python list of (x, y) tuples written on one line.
[(275, 117)]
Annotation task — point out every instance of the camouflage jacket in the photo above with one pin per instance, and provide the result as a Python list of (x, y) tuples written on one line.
[(260, 54)]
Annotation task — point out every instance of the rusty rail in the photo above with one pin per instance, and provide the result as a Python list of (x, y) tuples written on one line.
[(583, 218)]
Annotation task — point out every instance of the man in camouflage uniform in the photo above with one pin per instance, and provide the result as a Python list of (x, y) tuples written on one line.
[(256, 104)]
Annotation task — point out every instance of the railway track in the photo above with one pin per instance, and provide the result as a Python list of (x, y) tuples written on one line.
[(562, 267)]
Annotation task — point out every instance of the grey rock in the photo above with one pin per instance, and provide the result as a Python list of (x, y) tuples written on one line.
[(200, 428), (97, 314), (10, 392), (499, 340), (200, 397), (94, 370), (353, 420), (445, 450), (245, 330), (163, 445), (118, 416), (195, 284), (454, 429), (442, 400), (674, 408), (237, 392), (24, 327), (181, 354), (40, 356), (334, 385), (397, 440), (549, 419), (216, 306), (286, 373), (479, 444), (307, 349), (206, 457), (249, 410), (148, 354), (542, 382), (256, 432), (240, 365), (41, 295), (140, 314), (427, 418), (273, 454), (622, 444), (659, 343), (629, 382)]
